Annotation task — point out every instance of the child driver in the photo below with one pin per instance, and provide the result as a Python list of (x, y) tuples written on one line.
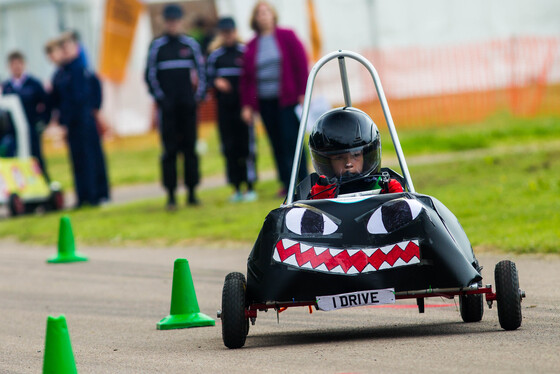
[(346, 152)]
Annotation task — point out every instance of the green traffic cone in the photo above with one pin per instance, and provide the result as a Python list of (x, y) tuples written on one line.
[(58, 358), (66, 247), (184, 306)]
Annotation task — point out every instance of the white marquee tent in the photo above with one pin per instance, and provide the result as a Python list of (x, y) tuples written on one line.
[(355, 25)]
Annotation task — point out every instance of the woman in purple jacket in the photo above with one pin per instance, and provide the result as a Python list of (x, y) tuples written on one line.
[(273, 82)]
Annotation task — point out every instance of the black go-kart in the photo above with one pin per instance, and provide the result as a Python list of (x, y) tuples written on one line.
[(361, 248)]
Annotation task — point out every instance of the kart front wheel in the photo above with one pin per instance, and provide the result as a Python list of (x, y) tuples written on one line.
[(16, 205), (472, 307), (235, 325), (508, 295)]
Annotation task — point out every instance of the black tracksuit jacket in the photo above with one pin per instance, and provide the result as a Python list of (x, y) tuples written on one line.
[(168, 71)]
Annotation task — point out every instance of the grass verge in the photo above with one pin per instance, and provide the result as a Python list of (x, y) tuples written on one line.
[(501, 129), (135, 160), (506, 202)]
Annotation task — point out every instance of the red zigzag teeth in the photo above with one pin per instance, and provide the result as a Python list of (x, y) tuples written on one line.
[(358, 260)]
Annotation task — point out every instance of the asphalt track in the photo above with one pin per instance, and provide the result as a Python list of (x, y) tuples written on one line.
[(113, 302)]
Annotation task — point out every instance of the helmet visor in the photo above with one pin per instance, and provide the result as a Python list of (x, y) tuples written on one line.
[(348, 163)]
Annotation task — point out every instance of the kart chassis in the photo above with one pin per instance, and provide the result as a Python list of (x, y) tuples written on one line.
[(419, 295), (237, 311)]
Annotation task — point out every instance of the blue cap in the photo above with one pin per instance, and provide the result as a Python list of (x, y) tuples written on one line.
[(172, 12), (226, 24)]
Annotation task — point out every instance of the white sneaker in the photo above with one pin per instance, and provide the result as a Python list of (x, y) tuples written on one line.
[(250, 196), (236, 197)]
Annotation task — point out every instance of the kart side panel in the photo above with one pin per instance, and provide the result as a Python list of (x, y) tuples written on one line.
[(23, 177), (446, 255)]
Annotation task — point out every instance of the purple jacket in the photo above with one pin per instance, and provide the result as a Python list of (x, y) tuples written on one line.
[(293, 75)]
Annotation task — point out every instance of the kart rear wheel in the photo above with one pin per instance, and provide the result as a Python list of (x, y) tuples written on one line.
[(508, 295), (235, 325), (16, 205), (472, 307)]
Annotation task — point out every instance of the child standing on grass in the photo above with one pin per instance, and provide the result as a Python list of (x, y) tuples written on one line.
[(238, 144)]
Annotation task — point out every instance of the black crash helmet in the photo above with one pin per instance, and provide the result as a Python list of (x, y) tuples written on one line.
[(343, 130)]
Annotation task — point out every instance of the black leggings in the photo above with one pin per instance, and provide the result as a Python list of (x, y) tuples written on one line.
[(237, 144)]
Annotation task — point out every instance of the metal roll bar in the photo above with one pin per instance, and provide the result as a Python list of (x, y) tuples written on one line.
[(341, 55)]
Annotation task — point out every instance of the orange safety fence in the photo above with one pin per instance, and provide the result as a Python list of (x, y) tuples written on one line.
[(431, 86), (463, 83)]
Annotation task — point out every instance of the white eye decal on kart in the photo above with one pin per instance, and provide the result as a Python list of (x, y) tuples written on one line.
[(304, 221), (393, 215)]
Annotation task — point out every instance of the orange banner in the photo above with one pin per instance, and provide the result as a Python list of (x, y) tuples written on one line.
[(314, 33), (121, 18)]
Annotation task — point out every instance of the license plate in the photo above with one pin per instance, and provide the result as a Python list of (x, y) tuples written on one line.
[(354, 299)]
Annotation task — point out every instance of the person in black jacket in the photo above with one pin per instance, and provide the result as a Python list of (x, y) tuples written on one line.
[(71, 44), (70, 96), (34, 101), (171, 58), (76, 95), (238, 146)]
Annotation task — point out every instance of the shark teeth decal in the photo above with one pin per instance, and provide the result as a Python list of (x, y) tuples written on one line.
[(334, 252), (346, 261), (319, 250)]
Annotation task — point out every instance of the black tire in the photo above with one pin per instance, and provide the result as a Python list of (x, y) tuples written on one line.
[(235, 326), (472, 307), (508, 295), (16, 205), (56, 201)]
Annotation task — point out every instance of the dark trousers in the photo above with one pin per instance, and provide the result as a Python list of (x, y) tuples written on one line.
[(35, 140), (84, 165), (282, 126), (100, 166), (237, 144), (178, 135)]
